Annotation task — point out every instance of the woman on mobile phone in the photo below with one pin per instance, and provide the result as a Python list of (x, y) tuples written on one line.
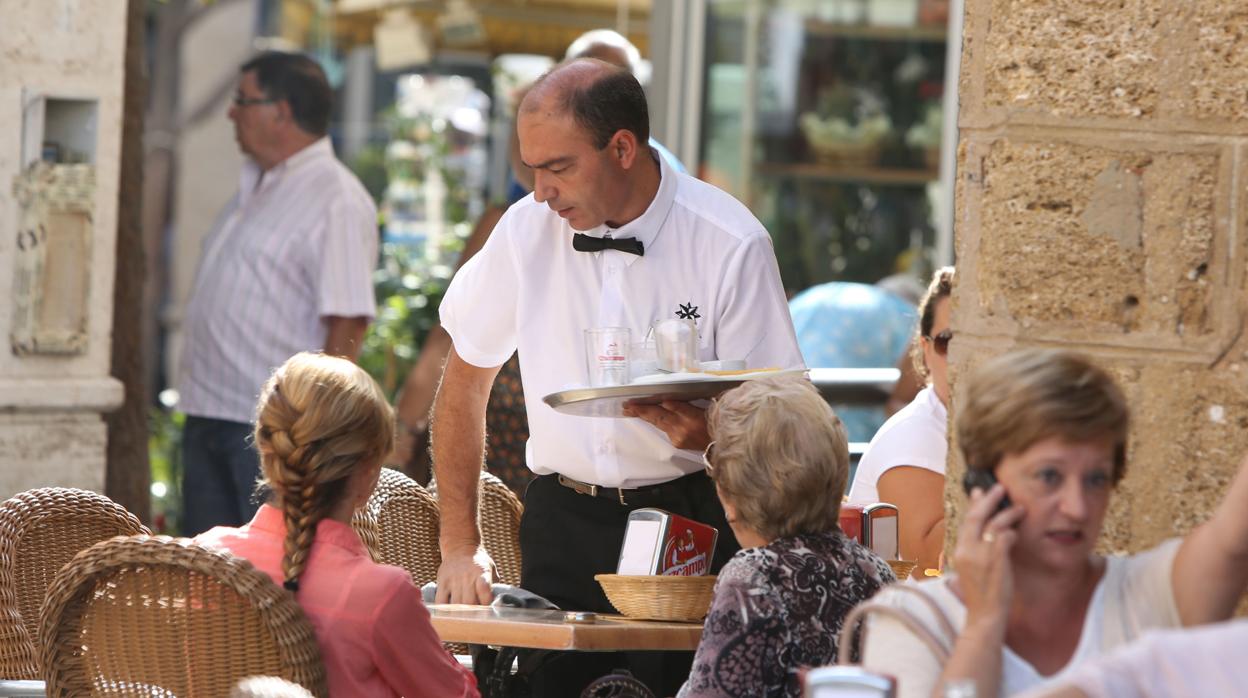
[(1031, 598)]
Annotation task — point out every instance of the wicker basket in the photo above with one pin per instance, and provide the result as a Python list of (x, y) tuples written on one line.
[(902, 568), (846, 154), (653, 597)]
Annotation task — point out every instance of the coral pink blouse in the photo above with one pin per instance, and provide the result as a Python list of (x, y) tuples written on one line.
[(373, 629)]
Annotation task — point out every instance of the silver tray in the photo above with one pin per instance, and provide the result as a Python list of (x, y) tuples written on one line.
[(609, 401)]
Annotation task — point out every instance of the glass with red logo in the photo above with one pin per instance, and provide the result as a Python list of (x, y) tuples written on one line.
[(606, 355)]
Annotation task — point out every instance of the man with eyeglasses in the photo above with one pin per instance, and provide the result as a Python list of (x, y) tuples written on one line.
[(286, 268)]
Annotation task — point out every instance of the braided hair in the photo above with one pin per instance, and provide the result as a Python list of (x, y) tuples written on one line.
[(319, 419)]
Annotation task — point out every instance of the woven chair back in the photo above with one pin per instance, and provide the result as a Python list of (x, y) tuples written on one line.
[(157, 616), (40, 531), (399, 526), (500, 527)]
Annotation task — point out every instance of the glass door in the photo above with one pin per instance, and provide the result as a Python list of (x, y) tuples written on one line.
[(826, 118)]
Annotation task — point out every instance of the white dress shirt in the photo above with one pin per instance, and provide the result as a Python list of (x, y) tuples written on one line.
[(706, 257), (296, 244)]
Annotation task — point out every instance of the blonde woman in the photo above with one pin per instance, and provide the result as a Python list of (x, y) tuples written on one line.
[(904, 464), (1032, 599), (322, 428), (779, 460)]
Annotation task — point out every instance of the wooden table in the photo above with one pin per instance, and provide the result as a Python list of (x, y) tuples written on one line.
[(485, 627), (547, 630)]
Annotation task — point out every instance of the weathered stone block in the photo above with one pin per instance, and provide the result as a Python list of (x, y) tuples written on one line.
[(51, 450), (1079, 58), (1098, 240), (1189, 433), (1219, 60)]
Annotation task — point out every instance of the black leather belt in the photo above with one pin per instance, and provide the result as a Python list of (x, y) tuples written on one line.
[(617, 493)]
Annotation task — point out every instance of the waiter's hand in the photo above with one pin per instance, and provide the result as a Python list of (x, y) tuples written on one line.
[(684, 424), (465, 576)]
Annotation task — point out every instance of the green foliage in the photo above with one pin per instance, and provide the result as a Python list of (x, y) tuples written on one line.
[(409, 289), (164, 447), (370, 166), (409, 282)]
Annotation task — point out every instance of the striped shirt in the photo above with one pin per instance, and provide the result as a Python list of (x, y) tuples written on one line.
[(296, 244)]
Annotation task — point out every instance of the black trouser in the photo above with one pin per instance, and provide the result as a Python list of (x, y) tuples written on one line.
[(566, 538), (220, 467)]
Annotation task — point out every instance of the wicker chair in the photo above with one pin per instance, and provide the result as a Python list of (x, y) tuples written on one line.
[(500, 511), (40, 531), (500, 527), (158, 616), (399, 525)]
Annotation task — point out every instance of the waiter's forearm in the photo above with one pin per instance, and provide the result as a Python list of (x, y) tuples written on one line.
[(458, 434), (345, 336)]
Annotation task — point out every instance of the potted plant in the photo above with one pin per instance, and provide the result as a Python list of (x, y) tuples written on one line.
[(847, 126)]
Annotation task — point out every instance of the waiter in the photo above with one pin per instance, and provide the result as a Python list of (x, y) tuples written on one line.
[(611, 237)]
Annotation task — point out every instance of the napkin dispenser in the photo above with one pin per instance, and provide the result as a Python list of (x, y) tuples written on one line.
[(874, 526), (658, 542)]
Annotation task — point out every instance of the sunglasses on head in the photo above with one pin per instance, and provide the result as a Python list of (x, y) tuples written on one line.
[(941, 342)]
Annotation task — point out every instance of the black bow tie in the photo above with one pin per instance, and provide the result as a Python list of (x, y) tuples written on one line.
[(589, 243)]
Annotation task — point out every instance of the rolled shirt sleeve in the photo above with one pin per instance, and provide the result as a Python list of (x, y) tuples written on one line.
[(479, 308), (755, 324), (349, 258)]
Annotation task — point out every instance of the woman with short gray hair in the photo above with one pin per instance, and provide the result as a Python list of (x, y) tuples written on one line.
[(779, 458)]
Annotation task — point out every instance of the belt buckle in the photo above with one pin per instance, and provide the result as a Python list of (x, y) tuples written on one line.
[(620, 491), (578, 487)]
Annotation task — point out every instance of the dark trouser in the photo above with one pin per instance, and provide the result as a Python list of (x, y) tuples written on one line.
[(566, 538), (220, 468)]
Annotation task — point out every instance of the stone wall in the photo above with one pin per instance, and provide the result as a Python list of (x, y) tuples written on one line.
[(51, 432), (1101, 206)]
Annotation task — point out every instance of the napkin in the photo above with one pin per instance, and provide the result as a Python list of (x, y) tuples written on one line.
[(505, 595)]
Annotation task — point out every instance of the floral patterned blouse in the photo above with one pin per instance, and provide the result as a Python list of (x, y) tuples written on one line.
[(778, 608)]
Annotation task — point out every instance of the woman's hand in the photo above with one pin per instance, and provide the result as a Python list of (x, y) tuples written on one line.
[(985, 582), (982, 558)]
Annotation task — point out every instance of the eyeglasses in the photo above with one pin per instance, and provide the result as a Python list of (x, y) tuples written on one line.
[(706, 459), (941, 342), (241, 101)]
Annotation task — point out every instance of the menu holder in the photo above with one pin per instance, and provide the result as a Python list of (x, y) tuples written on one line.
[(872, 525)]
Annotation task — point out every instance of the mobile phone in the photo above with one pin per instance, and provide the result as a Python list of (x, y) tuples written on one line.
[(984, 480)]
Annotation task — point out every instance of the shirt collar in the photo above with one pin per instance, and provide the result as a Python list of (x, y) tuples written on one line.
[(269, 519), (251, 174), (647, 226)]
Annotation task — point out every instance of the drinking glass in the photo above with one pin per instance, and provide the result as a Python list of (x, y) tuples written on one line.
[(677, 343), (643, 359), (606, 355)]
